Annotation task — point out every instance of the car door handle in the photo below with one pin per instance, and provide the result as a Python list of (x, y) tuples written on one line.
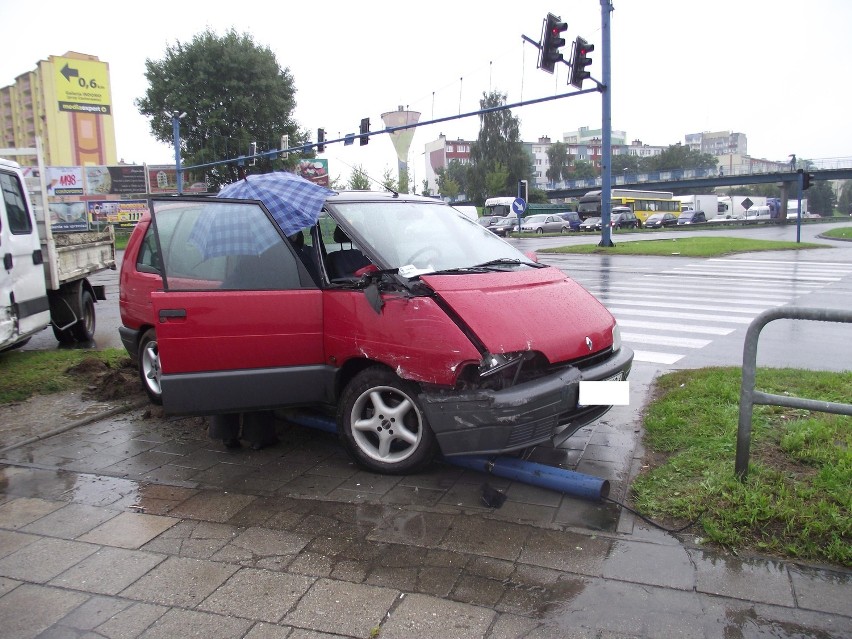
[(167, 313)]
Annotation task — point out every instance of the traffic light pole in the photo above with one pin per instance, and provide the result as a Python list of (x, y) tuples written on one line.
[(606, 125)]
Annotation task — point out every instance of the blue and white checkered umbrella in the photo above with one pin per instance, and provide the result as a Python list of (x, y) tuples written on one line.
[(293, 201), (235, 229)]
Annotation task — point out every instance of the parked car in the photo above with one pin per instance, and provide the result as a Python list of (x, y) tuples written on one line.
[(545, 223), (691, 217), (591, 224), (488, 220), (623, 218), (415, 328), (504, 225), (660, 220), (573, 219)]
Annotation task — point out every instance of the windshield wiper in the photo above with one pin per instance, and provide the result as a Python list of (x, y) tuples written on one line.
[(507, 261)]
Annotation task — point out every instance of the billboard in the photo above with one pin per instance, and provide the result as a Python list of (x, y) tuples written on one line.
[(315, 170), (120, 213), (115, 180), (64, 180), (82, 86), (163, 179)]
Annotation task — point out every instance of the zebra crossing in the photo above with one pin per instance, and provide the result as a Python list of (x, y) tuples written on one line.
[(667, 314)]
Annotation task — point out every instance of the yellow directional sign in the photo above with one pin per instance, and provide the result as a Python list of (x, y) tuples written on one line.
[(82, 85)]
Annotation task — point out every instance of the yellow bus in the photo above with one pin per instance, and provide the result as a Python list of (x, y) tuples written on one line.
[(642, 203)]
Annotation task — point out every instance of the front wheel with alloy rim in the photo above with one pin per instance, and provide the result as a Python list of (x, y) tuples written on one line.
[(382, 425), (149, 366)]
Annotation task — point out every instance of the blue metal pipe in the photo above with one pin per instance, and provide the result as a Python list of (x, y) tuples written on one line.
[(558, 479)]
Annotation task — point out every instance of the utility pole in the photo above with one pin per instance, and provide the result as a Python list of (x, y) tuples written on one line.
[(606, 125)]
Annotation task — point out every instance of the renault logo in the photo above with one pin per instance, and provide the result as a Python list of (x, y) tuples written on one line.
[(589, 342)]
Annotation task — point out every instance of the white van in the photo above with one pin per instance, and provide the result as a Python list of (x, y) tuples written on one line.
[(757, 214)]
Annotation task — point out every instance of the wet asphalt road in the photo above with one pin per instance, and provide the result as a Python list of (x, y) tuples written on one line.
[(137, 525)]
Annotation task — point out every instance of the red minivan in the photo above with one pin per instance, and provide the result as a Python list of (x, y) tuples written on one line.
[(421, 331)]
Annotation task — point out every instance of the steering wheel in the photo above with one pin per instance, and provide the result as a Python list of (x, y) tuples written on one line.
[(428, 250)]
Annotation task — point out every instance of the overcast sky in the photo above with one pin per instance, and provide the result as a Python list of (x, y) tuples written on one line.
[(776, 70)]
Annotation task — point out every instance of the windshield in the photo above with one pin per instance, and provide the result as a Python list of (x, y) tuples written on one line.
[(421, 237)]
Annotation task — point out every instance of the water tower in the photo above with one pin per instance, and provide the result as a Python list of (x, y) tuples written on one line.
[(401, 139)]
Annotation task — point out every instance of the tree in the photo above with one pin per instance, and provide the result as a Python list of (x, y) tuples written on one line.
[(233, 92), (845, 201), (583, 170), (359, 180), (389, 181), (678, 157), (498, 158), (620, 163), (557, 158), (821, 198)]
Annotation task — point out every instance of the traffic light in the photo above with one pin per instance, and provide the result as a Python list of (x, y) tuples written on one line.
[(806, 181), (579, 61), (551, 42), (252, 153), (365, 129), (285, 144), (320, 140)]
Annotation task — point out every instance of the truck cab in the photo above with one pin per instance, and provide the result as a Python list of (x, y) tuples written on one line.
[(25, 309)]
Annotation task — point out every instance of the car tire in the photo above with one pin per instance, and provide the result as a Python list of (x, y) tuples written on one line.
[(149, 366), (382, 425), (539, 230), (565, 230), (84, 329)]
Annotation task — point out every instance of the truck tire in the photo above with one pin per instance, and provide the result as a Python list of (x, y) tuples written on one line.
[(84, 329), (149, 366), (382, 425), (63, 337)]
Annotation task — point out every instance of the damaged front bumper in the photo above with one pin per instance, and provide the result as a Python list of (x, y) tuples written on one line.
[(494, 422)]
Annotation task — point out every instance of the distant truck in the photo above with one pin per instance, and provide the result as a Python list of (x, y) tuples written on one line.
[(793, 208), (44, 280), (732, 207), (709, 204)]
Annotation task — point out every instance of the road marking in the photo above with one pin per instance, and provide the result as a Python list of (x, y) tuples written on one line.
[(690, 307), (675, 315), (685, 298), (663, 340), (680, 328), (656, 358)]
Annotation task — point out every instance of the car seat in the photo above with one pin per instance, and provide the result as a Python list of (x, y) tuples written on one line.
[(345, 262)]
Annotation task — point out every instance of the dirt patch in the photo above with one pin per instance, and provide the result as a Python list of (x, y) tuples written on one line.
[(103, 382)]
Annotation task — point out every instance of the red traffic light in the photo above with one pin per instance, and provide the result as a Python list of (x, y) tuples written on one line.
[(580, 61), (551, 42)]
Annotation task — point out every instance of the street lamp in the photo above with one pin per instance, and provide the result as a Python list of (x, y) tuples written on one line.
[(176, 118)]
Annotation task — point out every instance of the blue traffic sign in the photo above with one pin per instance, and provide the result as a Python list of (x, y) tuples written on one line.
[(519, 206)]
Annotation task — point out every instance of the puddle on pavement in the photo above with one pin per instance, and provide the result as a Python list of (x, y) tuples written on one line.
[(747, 623), (89, 411)]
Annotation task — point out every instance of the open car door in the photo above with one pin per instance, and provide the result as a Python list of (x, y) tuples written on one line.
[(239, 318)]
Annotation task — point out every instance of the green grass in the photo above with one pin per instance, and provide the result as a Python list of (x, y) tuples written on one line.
[(121, 241), (843, 233), (29, 373), (797, 499), (685, 246)]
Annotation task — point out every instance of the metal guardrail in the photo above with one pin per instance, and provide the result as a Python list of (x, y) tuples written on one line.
[(749, 396)]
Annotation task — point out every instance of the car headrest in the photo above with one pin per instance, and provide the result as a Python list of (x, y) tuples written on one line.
[(340, 235), (297, 239)]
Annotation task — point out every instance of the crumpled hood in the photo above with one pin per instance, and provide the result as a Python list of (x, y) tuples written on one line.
[(536, 309)]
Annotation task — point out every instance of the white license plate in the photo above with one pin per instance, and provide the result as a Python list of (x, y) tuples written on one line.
[(608, 392)]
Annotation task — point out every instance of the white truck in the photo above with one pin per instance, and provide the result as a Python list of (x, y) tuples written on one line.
[(707, 203), (44, 278), (732, 206)]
